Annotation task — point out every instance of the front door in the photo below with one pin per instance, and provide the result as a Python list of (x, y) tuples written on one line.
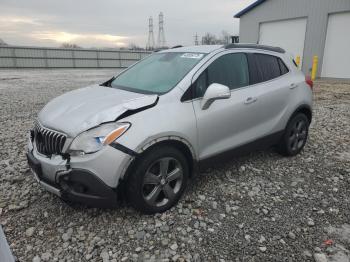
[(227, 123)]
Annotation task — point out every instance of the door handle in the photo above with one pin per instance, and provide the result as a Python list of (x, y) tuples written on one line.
[(293, 85), (250, 100)]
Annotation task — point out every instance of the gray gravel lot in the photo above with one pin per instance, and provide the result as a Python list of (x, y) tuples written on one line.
[(261, 207)]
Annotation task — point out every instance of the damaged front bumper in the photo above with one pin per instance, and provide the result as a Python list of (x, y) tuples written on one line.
[(89, 179), (77, 185)]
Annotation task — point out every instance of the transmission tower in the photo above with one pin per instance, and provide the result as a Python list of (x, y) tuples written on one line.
[(150, 42), (161, 34), (196, 42)]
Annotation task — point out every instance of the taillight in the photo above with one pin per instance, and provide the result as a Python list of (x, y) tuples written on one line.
[(309, 82)]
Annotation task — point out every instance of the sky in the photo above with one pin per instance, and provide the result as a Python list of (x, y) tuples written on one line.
[(113, 23)]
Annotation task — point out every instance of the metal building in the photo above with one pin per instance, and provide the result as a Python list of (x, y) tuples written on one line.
[(305, 28)]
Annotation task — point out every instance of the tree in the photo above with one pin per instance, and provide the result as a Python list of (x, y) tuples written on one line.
[(225, 37), (135, 47), (209, 39), (2, 42), (69, 45)]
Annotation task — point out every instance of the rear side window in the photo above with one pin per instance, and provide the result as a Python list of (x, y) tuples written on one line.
[(268, 66), (230, 70), (283, 67)]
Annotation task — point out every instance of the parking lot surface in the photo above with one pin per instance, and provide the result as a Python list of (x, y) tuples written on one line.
[(260, 207)]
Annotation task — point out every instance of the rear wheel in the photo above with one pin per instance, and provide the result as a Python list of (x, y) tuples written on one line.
[(158, 180), (295, 136)]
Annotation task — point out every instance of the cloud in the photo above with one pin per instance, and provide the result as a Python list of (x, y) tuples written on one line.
[(113, 22), (80, 39), (10, 20)]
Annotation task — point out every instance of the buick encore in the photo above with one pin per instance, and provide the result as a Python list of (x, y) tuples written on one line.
[(144, 133)]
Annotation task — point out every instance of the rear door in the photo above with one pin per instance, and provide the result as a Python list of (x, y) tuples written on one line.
[(273, 88)]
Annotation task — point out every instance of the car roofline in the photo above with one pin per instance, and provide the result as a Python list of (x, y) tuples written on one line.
[(208, 49)]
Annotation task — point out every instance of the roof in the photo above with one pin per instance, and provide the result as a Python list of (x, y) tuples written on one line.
[(249, 8), (195, 49)]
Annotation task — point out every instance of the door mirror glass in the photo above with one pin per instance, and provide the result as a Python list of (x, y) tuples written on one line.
[(214, 92)]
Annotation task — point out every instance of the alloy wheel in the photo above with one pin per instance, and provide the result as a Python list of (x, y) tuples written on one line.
[(162, 181), (298, 135)]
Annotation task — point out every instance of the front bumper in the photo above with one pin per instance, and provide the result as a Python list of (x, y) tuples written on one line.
[(77, 185), (91, 179)]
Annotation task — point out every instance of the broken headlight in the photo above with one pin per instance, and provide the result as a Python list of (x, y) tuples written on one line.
[(94, 139)]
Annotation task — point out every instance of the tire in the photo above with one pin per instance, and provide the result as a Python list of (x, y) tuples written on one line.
[(295, 135), (158, 180)]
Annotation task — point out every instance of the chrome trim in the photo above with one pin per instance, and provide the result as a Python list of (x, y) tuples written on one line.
[(50, 141), (48, 187)]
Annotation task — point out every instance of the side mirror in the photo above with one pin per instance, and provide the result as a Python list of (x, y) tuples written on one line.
[(214, 92)]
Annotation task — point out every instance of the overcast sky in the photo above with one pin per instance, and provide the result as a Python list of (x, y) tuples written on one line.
[(113, 23)]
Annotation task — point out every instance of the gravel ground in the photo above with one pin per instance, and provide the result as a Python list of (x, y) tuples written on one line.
[(261, 207)]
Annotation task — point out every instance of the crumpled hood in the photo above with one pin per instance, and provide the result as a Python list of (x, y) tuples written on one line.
[(82, 109)]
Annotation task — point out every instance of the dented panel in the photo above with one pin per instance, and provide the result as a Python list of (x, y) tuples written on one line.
[(82, 109)]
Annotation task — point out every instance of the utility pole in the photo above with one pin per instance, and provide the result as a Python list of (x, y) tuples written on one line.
[(196, 42), (161, 33), (150, 43)]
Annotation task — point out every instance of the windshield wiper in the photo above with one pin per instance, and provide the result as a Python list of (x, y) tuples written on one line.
[(109, 82)]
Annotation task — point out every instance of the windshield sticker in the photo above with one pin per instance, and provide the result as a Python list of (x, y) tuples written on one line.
[(192, 55)]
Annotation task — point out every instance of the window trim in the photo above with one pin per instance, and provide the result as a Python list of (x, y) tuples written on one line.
[(278, 57), (206, 64), (279, 64), (196, 75)]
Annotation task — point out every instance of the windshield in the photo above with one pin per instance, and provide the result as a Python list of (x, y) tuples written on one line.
[(158, 73)]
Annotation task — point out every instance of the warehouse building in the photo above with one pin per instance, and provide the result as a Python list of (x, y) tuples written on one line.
[(304, 28)]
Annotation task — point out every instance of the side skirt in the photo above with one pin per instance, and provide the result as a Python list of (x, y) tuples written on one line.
[(257, 145)]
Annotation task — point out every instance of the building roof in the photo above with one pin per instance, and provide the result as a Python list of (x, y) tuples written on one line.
[(248, 8)]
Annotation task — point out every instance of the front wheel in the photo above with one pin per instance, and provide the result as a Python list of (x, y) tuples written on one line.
[(158, 180), (295, 136)]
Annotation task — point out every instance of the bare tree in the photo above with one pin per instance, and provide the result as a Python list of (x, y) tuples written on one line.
[(69, 45), (225, 37), (2, 42), (135, 47), (209, 39)]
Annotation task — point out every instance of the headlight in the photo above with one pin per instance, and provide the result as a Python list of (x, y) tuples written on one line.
[(94, 139)]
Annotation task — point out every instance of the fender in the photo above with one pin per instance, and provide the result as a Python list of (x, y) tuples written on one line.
[(148, 143)]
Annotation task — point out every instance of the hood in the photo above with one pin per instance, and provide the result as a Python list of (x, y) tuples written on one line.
[(82, 109)]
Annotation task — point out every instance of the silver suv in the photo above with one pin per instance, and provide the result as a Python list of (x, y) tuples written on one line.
[(144, 133)]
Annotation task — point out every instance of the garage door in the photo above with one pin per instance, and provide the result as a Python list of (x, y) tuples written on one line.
[(288, 34), (337, 49)]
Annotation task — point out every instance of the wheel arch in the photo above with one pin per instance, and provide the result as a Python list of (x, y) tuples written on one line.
[(304, 109), (174, 141)]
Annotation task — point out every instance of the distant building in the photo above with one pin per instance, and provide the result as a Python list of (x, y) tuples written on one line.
[(234, 39), (304, 28)]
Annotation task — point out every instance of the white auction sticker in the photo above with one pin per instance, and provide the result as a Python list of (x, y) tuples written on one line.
[(192, 55)]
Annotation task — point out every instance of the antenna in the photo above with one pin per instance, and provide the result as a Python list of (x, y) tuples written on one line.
[(196, 42), (150, 42), (161, 34)]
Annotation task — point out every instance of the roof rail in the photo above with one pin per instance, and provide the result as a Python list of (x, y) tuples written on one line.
[(255, 46), (177, 46)]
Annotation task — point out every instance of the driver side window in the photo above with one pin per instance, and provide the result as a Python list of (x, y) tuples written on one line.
[(230, 70)]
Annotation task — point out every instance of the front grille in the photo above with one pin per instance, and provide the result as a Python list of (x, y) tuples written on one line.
[(48, 142)]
